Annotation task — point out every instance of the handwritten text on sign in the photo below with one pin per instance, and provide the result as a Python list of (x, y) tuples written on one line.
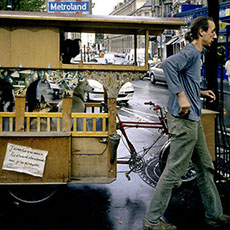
[(24, 159)]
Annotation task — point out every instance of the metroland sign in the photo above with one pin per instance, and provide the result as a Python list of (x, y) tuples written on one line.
[(69, 6)]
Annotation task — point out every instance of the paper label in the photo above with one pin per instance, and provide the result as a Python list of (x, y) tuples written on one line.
[(24, 159)]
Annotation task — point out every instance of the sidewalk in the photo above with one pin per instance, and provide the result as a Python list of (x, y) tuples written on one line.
[(186, 210)]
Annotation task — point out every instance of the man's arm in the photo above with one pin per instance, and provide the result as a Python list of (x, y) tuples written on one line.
[(183, 103)]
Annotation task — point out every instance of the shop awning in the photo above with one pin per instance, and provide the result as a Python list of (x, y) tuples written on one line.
[(180, 40), (171, 41)]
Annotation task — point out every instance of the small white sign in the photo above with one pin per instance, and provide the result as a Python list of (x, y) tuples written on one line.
[(24, 159)]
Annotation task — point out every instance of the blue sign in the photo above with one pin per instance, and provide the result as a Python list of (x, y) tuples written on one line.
[(69, 6), (189, 7)]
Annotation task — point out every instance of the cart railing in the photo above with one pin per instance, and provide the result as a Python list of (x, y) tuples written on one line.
[(42, 121), (91, 123), (9, 119)]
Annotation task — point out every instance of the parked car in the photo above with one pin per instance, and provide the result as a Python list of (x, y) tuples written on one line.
[(156, 73), (115, 58), (109, 57), (125, 94), (99, 60)]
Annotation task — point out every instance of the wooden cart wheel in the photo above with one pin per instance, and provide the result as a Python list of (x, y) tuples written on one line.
[(32, 194)]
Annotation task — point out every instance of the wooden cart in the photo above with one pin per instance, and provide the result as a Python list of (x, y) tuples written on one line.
[(32, 41)]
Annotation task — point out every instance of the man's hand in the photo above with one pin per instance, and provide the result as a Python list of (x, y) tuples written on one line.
[(183, 103), (209, 94)]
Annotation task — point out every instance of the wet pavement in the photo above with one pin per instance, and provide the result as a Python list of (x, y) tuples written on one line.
[(120, 205), (95, 207), (117, 206)]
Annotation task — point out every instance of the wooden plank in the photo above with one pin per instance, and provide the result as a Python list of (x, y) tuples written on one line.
[(1, 125), (20, 104), (91, 180), (5, 46), (107, 67), (28, 124), (89, 134), (35, 47), (112, 106), (11, 124), (42, 114), (208, 123), (74, 124), (104, 125), (35, 134), (66, 113), (91, 22), (38, 124), (112, 129), (59, 125), (84, 124), (7, 114), (94, 124), (48, 124), (89, 115), (89, 160)]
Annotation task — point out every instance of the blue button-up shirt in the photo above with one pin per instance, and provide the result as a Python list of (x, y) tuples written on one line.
[(182, 72)]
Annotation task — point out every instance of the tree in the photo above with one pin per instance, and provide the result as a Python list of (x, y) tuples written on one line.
[(24, 5)]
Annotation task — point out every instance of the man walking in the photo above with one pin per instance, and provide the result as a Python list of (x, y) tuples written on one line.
[(182, 72)]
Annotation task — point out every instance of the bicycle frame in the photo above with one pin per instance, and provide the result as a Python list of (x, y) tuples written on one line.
[(160, 125)]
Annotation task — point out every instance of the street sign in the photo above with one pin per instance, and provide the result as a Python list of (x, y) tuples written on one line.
[(69, 6)]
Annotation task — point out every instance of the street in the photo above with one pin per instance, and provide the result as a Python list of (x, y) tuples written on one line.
[(117, 206)]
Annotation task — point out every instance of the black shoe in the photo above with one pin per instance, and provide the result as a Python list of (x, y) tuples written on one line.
[(223, 220), (159, 226)]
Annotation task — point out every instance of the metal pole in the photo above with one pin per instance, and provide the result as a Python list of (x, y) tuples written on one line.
[(90, 6), (47, 5), (152, 12), (211, 57), (226, 44)]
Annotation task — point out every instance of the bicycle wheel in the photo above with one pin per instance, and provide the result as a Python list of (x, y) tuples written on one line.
[(32, 194), (190, 174)]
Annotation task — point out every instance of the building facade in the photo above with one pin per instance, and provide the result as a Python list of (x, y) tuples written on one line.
[(125, 43), (170, 42), (154, 8)]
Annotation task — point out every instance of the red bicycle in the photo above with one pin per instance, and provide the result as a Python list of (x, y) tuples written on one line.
[(151, 169)]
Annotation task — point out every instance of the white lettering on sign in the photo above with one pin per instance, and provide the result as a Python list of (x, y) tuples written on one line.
[(24, 159), (69, 6)]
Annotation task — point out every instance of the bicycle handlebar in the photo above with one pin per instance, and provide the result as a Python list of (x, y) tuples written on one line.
[(156, 107), (149, 103)]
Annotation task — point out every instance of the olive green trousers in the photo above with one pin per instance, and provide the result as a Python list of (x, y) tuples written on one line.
[(187, 144)]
